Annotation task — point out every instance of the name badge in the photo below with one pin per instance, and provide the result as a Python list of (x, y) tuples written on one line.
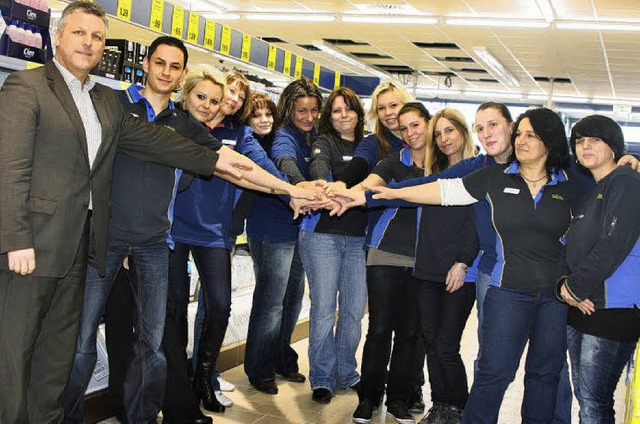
[(229, 142), (346, 158), (510, 190)]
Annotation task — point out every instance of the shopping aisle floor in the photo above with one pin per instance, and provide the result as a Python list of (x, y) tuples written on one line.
[(293, 403)]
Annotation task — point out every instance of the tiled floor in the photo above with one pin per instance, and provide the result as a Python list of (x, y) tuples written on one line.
[(293, 404)]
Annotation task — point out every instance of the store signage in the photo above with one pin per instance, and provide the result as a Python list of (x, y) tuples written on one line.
[(271, 58), (193, 28), (225, 40), (246, 47), (124, 10), (157, 13), (209, 34), (177, 22)]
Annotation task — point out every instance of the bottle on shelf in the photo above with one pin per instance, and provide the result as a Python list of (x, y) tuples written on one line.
[(29, 36), (37, 38), (21, 34), (12, 30)]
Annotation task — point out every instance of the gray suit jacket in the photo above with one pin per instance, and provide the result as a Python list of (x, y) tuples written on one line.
[(44, 167)]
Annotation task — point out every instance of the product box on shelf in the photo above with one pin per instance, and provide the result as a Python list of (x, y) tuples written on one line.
[(29, 14), (11, 48), (109, 66)]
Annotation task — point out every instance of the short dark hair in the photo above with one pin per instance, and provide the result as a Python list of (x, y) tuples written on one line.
[(549, 128), (325, 126), (602, 127), (302, 87), (500, 107), (169, 41), (262, 101), (83, 7)]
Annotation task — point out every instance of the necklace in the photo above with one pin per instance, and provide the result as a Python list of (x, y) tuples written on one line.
[(534, 183)]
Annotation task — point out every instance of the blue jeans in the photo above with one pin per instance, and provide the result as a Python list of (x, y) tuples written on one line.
[(482, 285), (511, 318), (596, 366), (277, 301), (335, 268), (145, 378)]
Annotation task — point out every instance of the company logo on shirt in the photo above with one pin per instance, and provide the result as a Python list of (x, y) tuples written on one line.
[(171, 128), (557, 196), (599, 196), (317, 151)]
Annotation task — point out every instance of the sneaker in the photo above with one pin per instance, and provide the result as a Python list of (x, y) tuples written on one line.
[(363, 413), (224, 401), (415, 404), (398, 411), (225, 386), (437, 414), (453, 415)]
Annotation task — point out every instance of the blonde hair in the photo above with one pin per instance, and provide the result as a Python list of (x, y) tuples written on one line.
[(383, 142), (194, 76), (435, 160)]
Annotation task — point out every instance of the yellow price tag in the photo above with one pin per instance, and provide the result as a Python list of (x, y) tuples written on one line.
[(33, 65), (124, 10), (225, 40), (177, 22), (246, 47), (297, 73), (316, 74), (336, 81), (209, 34), (193, 28), (157, 13), (271, 58), (287, 63)]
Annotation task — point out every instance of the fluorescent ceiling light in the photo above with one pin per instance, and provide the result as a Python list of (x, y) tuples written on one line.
[(546, 9), (221, 16), (569, 98), (598, 26), (492, 94), (499, 70), (614, 100), (351, 60), (507, 23), (389, 20), (339, 55), (385, 9), (435, 92), (300, 17)]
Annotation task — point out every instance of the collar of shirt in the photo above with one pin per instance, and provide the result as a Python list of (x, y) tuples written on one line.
[(71, 80), (405, 156), (557, 175), (133, 92)]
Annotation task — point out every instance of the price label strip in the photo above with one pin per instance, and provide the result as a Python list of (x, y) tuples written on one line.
[(298, 70), (271, 58), (287, 64), (336, 81), (225, 40), (316, 74), (193, 28), (246, 47), (124, 10), (177, 22), (209, 34), (157, 14)]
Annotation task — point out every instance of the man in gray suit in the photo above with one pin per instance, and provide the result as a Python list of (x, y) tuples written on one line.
[(58, 139)]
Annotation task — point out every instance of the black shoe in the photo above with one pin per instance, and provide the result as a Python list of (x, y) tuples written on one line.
[(269, 387), (437, 414), (363, 413), (201, 420), (398, 411), (415, 404), (294, 377), (453, 415), (322, 395), (203, 389)]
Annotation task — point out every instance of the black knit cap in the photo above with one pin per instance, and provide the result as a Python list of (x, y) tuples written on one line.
[(415, 105), (602, 127)]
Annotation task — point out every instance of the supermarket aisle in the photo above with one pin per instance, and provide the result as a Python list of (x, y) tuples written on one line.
[(293, 404)]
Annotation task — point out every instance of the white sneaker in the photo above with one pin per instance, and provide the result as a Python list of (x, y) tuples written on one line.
[(225, 401), (225, 386)]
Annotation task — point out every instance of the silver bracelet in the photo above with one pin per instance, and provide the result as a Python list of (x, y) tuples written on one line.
[(462, 265)]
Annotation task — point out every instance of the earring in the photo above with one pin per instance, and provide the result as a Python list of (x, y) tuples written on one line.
[(613, 156)]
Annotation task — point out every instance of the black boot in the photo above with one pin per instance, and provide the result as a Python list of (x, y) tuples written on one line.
[(203, 389)]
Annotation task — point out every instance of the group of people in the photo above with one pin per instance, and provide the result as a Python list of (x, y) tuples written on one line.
[(95, 181)]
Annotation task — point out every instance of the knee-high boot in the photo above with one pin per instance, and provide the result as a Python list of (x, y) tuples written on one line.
[(210, 345)]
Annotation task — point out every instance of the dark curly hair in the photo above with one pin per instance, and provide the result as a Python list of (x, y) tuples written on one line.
[(302, 87), (325, 126), (549, 128)]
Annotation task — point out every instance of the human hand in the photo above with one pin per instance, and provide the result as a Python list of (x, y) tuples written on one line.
[(347, 199), (232, 163), (382, 192), (631, 161), (455, 278), (22, 261), (330, 187), (299, 192), (304, 206), (586, 306)]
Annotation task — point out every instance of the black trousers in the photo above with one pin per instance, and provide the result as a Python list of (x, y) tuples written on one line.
[(389, 292), (118, 318), (39, 320), (443, 317)]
